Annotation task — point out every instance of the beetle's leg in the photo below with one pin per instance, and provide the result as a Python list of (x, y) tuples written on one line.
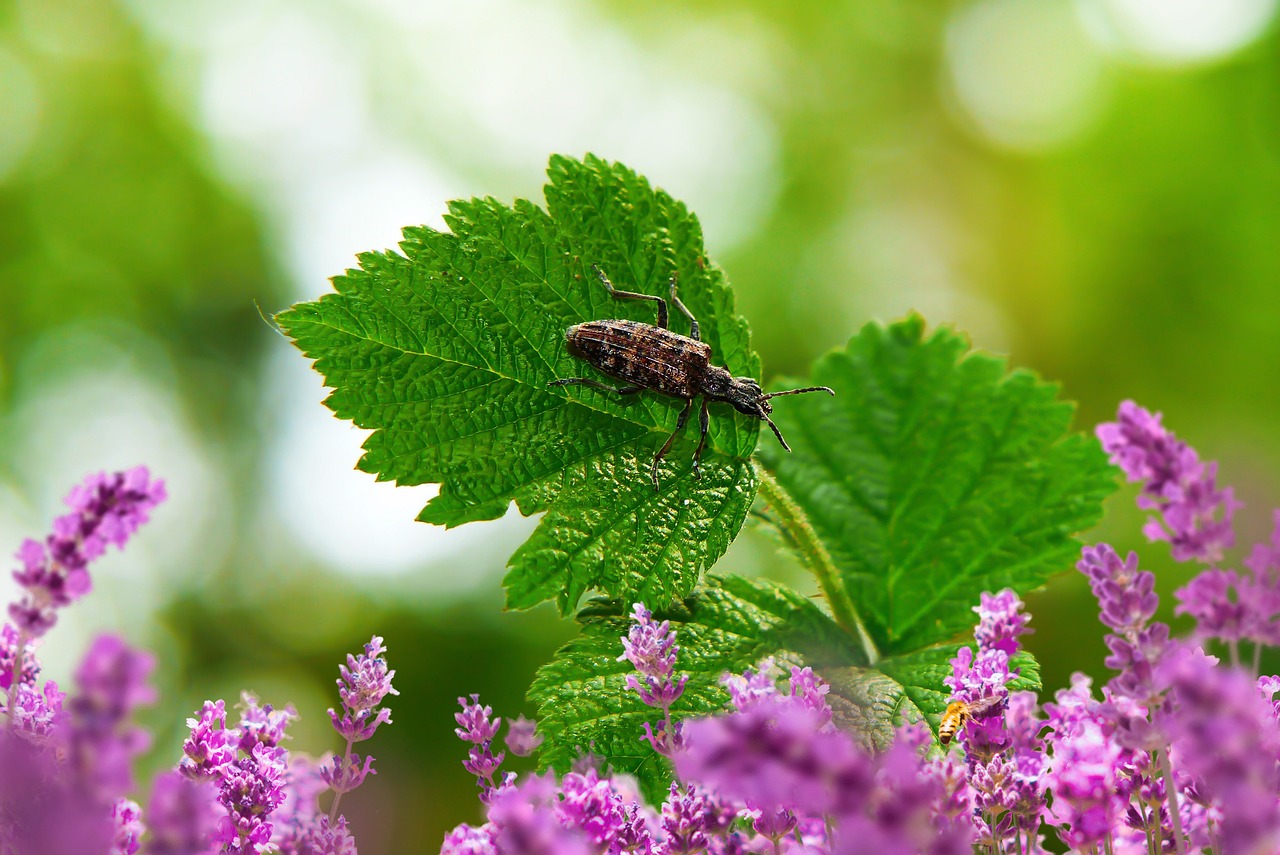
[(596, 384), (632, 295), (693, 322), (666, 446), (704, 421)]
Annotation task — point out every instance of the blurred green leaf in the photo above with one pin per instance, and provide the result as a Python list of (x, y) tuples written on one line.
[(726, 626), (932, 476), (445, 350)]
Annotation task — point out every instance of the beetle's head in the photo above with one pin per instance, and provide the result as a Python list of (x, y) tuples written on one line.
[(747, 397)]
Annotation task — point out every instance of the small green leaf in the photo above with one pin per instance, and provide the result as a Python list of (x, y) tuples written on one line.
[(726, 626), (445, 349), (934, 475)]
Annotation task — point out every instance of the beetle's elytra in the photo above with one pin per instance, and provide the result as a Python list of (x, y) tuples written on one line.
[(649, 357)]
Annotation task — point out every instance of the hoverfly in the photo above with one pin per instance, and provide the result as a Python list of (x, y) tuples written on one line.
[(960, 712)]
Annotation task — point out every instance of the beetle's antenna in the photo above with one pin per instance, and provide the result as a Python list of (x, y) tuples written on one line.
[(826, 389), (777, 433)]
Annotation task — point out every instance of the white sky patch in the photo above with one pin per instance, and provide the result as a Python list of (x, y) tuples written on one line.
[(1024, 72), (1176, 32)]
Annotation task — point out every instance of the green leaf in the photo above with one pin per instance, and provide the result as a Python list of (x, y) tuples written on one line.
[(445, 349), (726, 626), (872, 702), (934, 475)]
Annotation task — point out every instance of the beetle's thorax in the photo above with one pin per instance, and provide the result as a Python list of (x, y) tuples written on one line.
[(744, 393)]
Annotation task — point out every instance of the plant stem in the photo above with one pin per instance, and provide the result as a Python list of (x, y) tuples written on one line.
[(1171, 791), (337, 796), (1234, 647), (790, 517), (1257, 658)]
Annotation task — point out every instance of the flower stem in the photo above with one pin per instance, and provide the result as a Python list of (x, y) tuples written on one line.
[(337, 795), (1257, 659), (795, 525), (1171, 790)]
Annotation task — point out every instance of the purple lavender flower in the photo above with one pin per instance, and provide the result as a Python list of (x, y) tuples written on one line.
[(346, 773), (607, 815), (477, 726), (111, 682), (211, 747), (9, 644), (524, 821), (651, 648), (752, 686), (325, 837), (1267, 688), (105, 509), (299, 812), (522, 737), (690, 818), (1024, 796), (251, 788), (1195, 516), (1139, 649), (262, 723), (1083, 768), (467, 840), (1001, 621), (1217, 601), (38, 715), (777, 754), (45, 810), (980, 680), (1227, 740), (182, 816), (129, 828), (364, 683)]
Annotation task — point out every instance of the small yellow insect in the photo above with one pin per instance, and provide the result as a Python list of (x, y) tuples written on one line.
[(960, 712)]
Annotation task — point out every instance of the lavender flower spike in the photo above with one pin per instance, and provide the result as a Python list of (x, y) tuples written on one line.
[(364, 684), (651, 648), (105, 509), (1195, 515), (477, 726)]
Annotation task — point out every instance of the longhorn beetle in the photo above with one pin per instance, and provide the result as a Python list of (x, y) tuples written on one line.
[(649, 357)]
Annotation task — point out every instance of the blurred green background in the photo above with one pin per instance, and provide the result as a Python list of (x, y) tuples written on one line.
[(1092, 186)]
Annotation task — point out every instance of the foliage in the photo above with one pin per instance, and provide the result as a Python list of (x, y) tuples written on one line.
[(930, 477)]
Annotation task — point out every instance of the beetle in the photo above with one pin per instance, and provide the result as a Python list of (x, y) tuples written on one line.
[(655, 358)]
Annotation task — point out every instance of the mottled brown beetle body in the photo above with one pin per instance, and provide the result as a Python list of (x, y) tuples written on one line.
[(654, 357), (643, 354)]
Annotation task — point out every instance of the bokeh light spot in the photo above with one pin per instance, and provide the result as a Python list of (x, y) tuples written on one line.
[(1024, 71), (1177, 31), (19, 111)]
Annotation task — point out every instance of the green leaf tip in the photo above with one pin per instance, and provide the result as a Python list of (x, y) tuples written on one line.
[(933, 475), (444, 350)]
